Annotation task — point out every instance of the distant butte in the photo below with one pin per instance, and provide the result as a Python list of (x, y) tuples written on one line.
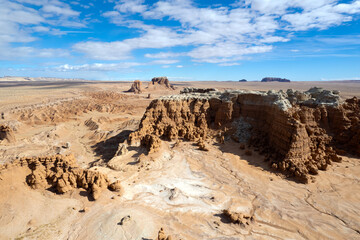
[(274, 79)]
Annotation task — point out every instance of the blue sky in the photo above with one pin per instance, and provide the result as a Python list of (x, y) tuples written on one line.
[(303, 40)]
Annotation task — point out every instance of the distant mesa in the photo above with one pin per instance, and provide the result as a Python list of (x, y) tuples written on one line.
[(162, 82), (273, 79), (135, 87), (243, 80)]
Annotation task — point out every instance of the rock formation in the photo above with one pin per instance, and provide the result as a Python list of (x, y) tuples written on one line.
[(161, 81), (135, 87), (122, 150), (62, 174), (299, 133), (242, 80), (6, 134), (238, 218), (162, 235), (274, 79), (151, 142), (197, 90)]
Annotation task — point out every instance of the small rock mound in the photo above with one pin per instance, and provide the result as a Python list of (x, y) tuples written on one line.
[(116, 187), (161, 81), (6, 133), (135, 87), (162, 235), (62, 174), (202, 145), (238, 218)]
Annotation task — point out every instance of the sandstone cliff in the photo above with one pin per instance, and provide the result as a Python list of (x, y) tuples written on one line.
[(299, 133)]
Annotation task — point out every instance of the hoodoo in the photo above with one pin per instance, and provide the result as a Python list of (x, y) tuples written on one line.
[(136, 87)]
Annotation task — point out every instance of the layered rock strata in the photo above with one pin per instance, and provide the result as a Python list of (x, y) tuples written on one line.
[(62, 174), (298, 132)]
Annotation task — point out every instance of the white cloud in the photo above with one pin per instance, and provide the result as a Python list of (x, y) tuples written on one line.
[(20, 19), (134, 6), (179, 66), (164, 55), (97, 67), (273, 39), (164, 61), (10, 53), (59, 10), (225, 52), (41, 29), (111, 66), (229, 64), (155, 37)]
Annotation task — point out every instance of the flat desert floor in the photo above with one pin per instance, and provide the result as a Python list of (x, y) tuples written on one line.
[(180, 189)]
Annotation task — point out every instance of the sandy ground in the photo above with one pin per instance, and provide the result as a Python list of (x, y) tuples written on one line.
[(180, 188)]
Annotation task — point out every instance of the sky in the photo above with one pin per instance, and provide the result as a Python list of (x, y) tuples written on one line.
[(302, 40)]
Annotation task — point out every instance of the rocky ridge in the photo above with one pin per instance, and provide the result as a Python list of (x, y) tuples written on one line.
[(299, 133)]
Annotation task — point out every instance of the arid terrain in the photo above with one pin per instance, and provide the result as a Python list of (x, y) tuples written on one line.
[(121, 160)]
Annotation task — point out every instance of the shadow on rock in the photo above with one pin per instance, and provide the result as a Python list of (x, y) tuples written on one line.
[(106, 149)]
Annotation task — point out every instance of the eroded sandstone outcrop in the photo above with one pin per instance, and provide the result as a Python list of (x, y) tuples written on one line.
[(298, 132), (238, 218), (162, 235), (161, 81), (62, 174), (6, 134), (136, 87)]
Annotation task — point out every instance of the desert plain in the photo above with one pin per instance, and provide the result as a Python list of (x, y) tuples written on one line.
[(188, 192)]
